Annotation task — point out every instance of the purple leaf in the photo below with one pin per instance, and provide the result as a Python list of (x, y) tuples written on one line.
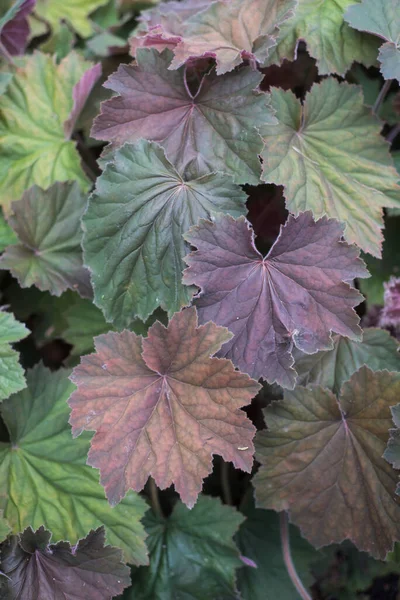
[(390, 315), (80, 94), (14, 33), (295, 295)]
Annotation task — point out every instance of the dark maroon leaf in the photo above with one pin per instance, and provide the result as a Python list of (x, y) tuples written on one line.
[(14, 33), (80, 94)]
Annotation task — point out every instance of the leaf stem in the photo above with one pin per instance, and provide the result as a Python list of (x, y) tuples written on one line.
[(381, 96), (155, 499), (392, 135), (226, 488), (287, 557)]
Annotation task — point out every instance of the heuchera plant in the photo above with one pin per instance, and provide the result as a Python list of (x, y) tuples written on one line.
[(200, 299)]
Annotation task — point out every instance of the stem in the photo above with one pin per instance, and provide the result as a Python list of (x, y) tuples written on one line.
[(287, 557), (392, 135), (155, 499), (226, 489), (381, 96)]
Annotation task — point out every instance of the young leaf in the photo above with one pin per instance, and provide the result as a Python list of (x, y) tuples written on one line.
[(233, 31), (332, 160), (44, 476), (378, 350), (80, 94), (192, 554), (134, 225), (49, 253), (14, 26), (390, 316), (37, 569), (11, 373), (75, 12), (216, 127), (329, 39), (33, 146), (322, 459), (162, 406), (295, 295), (381, 17)]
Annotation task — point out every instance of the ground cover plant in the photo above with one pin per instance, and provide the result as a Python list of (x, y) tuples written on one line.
[(200, 299)]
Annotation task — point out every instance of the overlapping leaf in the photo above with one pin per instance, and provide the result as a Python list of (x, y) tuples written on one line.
[(381, 17), (329, 155), (36, 569), (322, 459), (390, 316), (162, 406), (11, 373), (295, 295), (192, 554), (43, 474), (392, 452), (34, 149), (215, 128), (7, 235), (49, 253), (134, 226), (329, 39), (14, 26), (378, 350), (233, 31), (75, 12), (80, 94)]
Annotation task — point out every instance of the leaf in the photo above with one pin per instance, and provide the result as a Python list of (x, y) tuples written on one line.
[(49, 253), (75, 12), (321, 458), (259, 539), (231, 32), (293, 296), (332, 160), (381, 17), (161, 407), (192, 554), (5, 79), (11, 373), (390, 316), (14, 26), (44, 476), (33, 146), (80, 94), (7, 235), (134, 224), (392, 452), (216, 127), (329, 39), (381, 270), (38, 569), (331, 369), (4, 531)]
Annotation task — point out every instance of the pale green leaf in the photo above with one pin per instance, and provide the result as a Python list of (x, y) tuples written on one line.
[(12, 377), (75, 12), (7, 235)]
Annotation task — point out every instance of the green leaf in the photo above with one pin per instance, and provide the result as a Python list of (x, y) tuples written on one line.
[(321, 459), (192, 554), (34, 149), (332, 160), (329, 39), (381, 17), (11, 373), (378, 350), (75, 12), (382, 270), (134, 225), (84, 321), (49, 252), (7, 235), (259, 539), (5, 79), (4, 529), (44, 476)]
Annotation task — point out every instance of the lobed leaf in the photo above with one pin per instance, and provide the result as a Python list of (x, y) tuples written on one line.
[(12, 377), (49, 253), (296, 295), (329, 38), (161, 406), (216, 128), (44, 477), (80, 94), (75, 12), (381, 17), (321, 458), (35, 106), (329, 155), (192, 554), (37, 569), (134, 224)]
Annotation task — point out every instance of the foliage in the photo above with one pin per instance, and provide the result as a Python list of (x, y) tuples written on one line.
[(199, 248)]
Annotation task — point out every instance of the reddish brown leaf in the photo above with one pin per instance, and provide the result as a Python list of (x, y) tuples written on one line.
[(161, 406), (295, 295)]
